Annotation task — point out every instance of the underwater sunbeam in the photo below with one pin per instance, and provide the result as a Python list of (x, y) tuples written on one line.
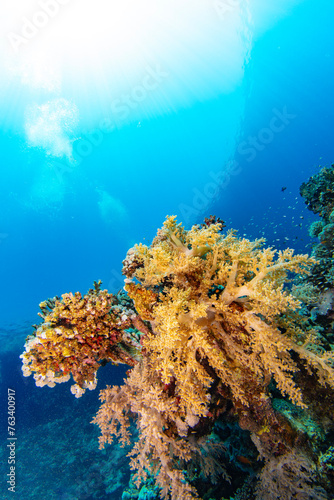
[(164, 55)]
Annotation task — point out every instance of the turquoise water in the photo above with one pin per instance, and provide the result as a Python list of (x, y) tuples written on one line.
[(218, 108), (64, 212)]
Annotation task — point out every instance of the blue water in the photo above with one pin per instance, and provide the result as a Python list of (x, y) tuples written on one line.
[(69, 216)]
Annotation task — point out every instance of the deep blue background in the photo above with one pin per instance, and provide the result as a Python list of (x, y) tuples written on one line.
[(58, 247)]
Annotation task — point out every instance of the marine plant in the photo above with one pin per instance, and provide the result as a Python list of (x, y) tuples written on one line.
[(211, 330)]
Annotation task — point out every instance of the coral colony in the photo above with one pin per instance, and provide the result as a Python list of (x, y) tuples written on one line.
[(225, 337)]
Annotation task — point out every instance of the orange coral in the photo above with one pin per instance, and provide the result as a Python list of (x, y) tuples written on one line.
[(143, 299), (77, 334), (215, 304), (219, 301), (217, 323)]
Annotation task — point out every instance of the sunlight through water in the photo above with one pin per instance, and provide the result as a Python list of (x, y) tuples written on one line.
[(130, 59)]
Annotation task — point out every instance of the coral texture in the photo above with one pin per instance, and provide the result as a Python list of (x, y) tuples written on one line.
[(318, 193), (217, 309), (77, 335), (289, 476), (215, 304), (209, 324)]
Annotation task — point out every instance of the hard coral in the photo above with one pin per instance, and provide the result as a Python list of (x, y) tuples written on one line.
[(77, 335), (318, 193)]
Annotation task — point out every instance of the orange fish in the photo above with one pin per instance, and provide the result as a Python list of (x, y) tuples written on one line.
[(244, 460)]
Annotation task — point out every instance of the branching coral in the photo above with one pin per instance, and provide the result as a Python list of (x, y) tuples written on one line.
[(156, 451), (214, 315), (208, 324), (218, 308), (289, 476)]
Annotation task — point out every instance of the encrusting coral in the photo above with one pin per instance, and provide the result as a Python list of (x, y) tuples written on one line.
[(211, 322)]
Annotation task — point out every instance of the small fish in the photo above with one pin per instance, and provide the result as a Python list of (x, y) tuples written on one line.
[(244, 460)]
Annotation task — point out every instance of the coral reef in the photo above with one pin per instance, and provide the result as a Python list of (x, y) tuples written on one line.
[(212, 329), (318, 193), (59, 458), (78, 334), (289, 476)]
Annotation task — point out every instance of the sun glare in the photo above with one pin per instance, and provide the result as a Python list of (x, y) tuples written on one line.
[(164, 54), (111, 43)]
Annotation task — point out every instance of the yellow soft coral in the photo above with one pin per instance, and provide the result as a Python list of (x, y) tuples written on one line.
[(142, 395), (217, 324), (216, 316)]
